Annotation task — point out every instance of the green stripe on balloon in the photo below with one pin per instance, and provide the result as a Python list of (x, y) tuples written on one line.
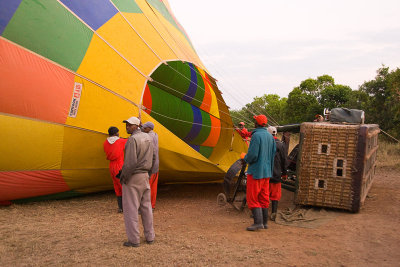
[(62, 195), (206, 151), (47, 28), (168, 110), (127, 6), (171, 81)]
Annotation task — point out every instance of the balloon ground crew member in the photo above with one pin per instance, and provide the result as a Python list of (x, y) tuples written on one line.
[(244, 133), (279, 172), (260, 157), (148, 128), (114, 149), (139, 159)]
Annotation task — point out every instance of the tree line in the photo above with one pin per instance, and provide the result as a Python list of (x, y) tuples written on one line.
[(379, 98)]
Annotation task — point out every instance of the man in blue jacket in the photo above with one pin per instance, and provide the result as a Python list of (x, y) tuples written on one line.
[(260, 158)]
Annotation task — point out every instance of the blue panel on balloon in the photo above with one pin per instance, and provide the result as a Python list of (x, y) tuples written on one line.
[(7, 10), (196, 126), (93, 12), (191, 92)]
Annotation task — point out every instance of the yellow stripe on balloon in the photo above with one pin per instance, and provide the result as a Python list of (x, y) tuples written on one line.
[(83, 150), (104, 66), (128, 44), (88, 181), (29, 145), (161, 25), (114, 109), (214, 104), (150, 35)]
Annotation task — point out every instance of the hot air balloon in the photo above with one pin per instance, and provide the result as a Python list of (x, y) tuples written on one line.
[(69, 69)]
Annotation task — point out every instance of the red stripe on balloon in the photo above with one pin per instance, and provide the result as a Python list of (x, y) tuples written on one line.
[(206, 104), (147, 101), (24, 184)]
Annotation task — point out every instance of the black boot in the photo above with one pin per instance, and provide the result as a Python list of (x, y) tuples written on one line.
[(274, 209), (257, 216), (119, 200), (265, 218)]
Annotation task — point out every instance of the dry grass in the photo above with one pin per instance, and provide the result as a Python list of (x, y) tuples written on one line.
[(191, 229), (389, 155)]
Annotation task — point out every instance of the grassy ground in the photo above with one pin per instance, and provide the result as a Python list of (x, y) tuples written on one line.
[(389, 154)]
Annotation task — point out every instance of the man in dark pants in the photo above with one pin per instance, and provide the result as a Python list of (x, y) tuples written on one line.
[(260, 158), (279, 171)]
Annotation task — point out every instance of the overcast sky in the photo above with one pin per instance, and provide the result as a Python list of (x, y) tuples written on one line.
[(258, 47)]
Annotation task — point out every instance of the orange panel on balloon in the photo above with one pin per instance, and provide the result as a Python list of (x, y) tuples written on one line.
[(206, 104), (24, 184), (33, 87), (214, 133)]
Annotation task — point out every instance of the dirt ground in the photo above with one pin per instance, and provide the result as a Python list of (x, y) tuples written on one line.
[(191, 229)]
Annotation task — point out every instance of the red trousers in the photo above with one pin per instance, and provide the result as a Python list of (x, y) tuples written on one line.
[(257, 192), (117, 186), (153, 181), (275, 192), (115, 166)]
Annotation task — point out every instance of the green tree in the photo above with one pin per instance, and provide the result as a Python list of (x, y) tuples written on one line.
[(301, 106), (270, 105), (335, 96), (383, 101)]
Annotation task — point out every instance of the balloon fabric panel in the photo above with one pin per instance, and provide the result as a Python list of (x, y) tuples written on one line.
[(105, 67), (7, 10), (143, 27), (47, 28), (23, 184), (29, 144), (128, 6), (94, 99), (49, 94), (94, 17), (128, 44)]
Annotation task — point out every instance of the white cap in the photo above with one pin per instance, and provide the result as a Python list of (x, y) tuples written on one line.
[(272, 130), (132, 120)]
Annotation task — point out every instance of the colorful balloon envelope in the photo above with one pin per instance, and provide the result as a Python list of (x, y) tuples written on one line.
[(69, 69)]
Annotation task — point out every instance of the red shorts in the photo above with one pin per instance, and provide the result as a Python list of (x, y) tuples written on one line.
[(257, 192)]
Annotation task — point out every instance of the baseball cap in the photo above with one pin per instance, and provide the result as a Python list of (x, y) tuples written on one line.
[(261, 120), (272, 130), (132, 120), (148, 124)]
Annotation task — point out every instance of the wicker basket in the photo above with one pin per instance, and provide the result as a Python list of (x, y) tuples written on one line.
[(336, 164)]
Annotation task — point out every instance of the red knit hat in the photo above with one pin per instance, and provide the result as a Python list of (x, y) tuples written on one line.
[(261, 120)]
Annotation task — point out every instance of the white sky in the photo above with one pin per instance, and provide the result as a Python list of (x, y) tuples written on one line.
[(258, 47)]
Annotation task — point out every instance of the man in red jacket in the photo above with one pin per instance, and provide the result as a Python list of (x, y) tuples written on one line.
[(114, 148)]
